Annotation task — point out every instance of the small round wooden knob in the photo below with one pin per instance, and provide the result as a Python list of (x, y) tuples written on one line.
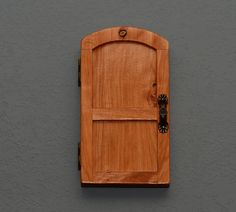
[(123, 32)]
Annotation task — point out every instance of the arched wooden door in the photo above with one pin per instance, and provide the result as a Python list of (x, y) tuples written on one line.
[(124, 129)]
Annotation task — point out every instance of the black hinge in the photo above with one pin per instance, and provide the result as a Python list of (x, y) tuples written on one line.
[(79, 73), (79, 164)]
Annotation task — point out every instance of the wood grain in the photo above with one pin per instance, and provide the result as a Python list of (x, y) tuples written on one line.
[(124, 75), (124, 114), (121, 77), (125, 146), (163, 138), (86, 117)]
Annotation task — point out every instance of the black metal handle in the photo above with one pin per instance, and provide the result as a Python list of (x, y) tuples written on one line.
[(163, 124)]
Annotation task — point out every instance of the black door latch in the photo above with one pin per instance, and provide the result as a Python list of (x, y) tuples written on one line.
[(162, 102)]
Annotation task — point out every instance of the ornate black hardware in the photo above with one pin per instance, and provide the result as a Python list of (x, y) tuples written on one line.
[(162, 102)]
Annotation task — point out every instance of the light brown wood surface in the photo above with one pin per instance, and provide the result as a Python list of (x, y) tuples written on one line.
[(121, 78)]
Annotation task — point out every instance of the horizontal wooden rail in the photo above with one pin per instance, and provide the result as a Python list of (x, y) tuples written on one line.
[(124, 114)]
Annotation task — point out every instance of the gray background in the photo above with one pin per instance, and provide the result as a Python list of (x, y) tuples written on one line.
[(39, 104)]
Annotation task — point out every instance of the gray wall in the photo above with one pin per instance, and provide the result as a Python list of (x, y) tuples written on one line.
[(39, 104)]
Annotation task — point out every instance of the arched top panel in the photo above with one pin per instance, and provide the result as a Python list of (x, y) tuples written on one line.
[(124, 33)]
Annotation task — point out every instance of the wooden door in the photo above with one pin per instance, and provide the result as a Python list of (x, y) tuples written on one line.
[(123, 71)]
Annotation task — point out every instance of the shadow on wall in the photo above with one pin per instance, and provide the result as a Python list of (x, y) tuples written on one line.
[(123, 193)]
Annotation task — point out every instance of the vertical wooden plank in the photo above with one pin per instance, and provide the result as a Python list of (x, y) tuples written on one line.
[(86, 116), (163, 138)]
